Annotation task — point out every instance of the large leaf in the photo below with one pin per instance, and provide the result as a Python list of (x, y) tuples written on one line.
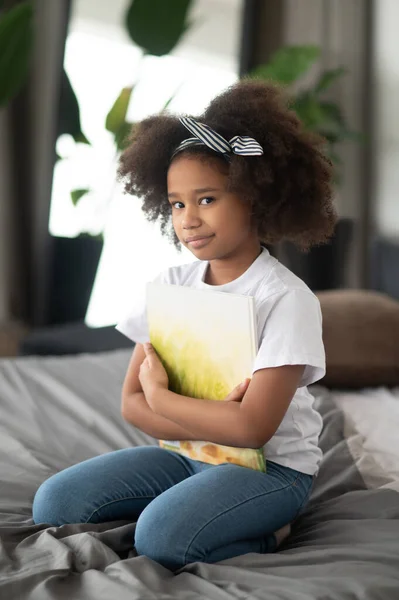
[(307, 107), (16, 38), (117, 115), (157, 25), (325, 118), (76, 195), (333, 112), (287, 64), (335, 122), (328, 77), (122, 135), (69, 116)]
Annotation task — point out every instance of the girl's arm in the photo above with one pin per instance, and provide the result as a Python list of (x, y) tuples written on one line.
[(135, 409), (247, 424)]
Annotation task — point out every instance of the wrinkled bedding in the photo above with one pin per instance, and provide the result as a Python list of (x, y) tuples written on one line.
[(57, 411)]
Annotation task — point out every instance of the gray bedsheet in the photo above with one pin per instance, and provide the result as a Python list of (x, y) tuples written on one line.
[(57, 411)]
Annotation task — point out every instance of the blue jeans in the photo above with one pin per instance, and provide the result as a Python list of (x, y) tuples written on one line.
[(186, 510)]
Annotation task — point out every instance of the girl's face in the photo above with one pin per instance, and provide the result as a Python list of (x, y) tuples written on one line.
[(208, 220)]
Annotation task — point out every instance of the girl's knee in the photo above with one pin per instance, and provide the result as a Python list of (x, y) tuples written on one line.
[(160, 538), (53, 503)]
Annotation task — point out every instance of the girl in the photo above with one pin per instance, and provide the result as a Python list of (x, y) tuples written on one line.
[(241, 175)]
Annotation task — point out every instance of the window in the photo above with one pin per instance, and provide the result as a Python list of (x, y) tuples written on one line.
[(100, 60)]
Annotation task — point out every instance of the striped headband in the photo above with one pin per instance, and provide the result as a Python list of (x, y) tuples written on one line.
[(205, 136)]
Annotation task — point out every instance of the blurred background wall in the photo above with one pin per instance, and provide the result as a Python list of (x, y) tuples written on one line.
[(228, 38), (386, 142)]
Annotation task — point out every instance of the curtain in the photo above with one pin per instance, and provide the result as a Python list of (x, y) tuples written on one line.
[(344, 32), (30, 127)]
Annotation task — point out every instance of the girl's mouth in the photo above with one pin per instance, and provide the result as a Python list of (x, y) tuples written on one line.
[(199, 242)]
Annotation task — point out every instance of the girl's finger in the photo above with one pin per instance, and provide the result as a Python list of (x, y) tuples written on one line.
[(150, 353)]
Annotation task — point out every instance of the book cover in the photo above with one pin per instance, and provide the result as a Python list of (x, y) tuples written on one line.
[(207, 343)]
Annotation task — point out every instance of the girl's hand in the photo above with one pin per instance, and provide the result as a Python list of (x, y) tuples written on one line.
[(152, 374), (237, 394)]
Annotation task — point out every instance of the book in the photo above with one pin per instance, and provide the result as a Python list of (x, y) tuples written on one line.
[(207, 342)]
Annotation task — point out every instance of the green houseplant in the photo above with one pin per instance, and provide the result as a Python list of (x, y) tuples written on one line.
[(323, 266), (156, 28), (317, 112)]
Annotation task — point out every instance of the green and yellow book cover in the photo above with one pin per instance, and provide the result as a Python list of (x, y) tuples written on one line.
[(207, 343)]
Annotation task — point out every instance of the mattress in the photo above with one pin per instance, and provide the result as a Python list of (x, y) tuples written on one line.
[(56, 411)]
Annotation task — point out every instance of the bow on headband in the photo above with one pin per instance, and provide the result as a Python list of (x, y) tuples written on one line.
[(206, 136)]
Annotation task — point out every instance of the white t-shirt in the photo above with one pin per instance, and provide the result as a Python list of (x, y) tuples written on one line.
[(289, 327)]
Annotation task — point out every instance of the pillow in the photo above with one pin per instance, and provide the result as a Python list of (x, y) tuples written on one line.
[(361, 338)]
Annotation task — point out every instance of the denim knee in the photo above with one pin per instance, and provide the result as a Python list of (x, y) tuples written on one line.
[(54, 503), (162, 537)]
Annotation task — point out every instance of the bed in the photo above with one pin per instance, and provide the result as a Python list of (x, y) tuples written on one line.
[(56, 411)]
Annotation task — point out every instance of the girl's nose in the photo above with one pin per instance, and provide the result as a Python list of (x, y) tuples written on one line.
[(190, 218)]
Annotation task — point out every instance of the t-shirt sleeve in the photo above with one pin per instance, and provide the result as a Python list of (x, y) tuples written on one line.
[(292, 335), (134, 324)]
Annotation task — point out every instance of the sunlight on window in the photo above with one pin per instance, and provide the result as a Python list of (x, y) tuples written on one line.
[(134, 251)]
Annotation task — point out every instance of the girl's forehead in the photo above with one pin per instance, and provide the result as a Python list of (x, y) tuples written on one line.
[(190, 171)]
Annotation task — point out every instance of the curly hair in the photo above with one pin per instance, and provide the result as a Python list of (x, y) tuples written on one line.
[(289, 187)]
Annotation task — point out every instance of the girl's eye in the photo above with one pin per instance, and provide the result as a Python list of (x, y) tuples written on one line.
[(207, 200), (177, 205)]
